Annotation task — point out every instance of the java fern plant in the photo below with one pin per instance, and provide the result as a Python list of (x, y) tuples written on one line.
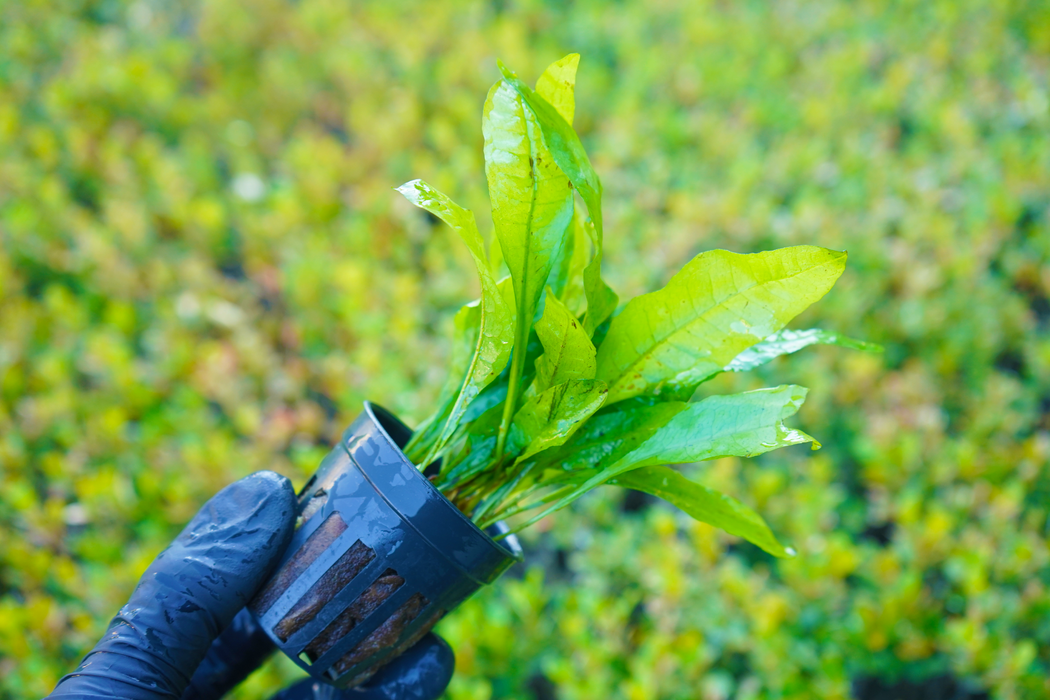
[(550, 393)]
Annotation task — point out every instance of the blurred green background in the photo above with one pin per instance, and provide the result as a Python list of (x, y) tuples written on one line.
[(204, 272)]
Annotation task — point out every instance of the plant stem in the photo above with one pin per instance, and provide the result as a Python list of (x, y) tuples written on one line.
[(516, 369), (413, 443)]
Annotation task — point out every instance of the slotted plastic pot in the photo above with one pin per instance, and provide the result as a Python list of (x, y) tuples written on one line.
[(379, 558)]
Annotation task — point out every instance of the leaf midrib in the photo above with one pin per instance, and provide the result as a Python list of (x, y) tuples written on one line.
[(524, 321), (562, 344)]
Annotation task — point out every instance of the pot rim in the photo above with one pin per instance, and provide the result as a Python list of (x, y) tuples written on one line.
[(508, 547)]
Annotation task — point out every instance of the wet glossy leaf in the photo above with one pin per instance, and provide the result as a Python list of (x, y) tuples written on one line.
[(704, 504), (571, 157), (717, 306), (563, 142), (496, 325), (787, 341), (532, 207), (531, 198), (568, 351)]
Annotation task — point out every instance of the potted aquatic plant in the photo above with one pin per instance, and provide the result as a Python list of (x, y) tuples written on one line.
[(550, 394)]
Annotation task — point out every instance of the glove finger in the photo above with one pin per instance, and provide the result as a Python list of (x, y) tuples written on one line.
[(421, 673), (238, 651), (189, 594)]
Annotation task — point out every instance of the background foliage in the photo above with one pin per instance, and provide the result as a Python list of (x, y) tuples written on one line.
[(203, 273)]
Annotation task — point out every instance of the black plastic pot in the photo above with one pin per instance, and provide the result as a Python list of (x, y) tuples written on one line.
[(379, 558)]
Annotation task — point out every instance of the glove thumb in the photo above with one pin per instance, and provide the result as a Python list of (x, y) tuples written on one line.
[(189, 594)]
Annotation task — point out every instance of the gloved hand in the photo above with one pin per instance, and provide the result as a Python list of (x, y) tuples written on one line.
[(185, 633)]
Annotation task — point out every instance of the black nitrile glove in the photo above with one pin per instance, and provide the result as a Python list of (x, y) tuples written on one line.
[(185, 633)]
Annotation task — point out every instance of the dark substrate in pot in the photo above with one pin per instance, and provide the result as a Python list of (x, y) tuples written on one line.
[(379, 558)]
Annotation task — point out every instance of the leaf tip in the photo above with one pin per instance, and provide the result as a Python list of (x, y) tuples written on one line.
[(409, 187), (507, 72)]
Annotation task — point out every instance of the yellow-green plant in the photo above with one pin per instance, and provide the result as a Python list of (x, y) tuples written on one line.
[(550, 394)]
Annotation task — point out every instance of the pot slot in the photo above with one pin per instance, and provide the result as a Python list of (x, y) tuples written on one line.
[(318, 541), (384, 636), (382, 588), (313, 601)]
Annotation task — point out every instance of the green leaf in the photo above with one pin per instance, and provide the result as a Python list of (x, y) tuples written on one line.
[(706, 505), (564, 145), (466, 324), (741, 425), (531, 198), (496, 325), (617, 441), (571, 157), (601, 299), (550, 418), (787, 341), (532, 207), (567, 351), (557, 85), (479, 449), (567, 276), (716, 307)]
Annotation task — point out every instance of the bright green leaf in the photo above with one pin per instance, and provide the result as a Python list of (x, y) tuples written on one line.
[(571, 157), (466, 323), (564, 144), (567, 350), (557, 85), (704, 504), (531, 198), (493, 346), (532, 206), (787, 341), (601, 299), (716, 307), (617, 441), (567, 275), (550, 418)]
